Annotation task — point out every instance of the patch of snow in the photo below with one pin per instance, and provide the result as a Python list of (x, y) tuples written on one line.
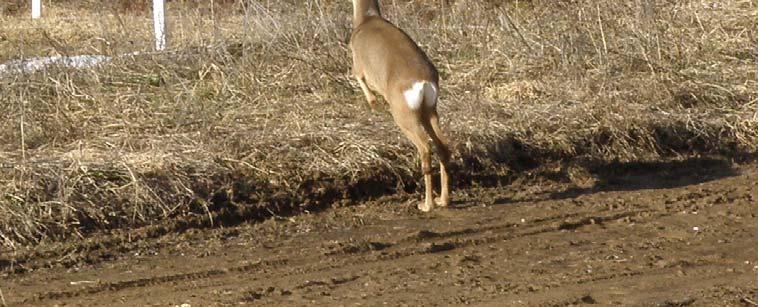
[(40, 63)]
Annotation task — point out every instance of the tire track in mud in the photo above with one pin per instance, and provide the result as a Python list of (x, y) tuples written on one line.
[(426, 235), (679, 286), (694, 268), (421, 243), (153, 281), (579, 280), (447, 245), (436, 242)]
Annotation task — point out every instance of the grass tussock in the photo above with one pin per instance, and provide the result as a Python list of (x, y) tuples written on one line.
[(252, 113)]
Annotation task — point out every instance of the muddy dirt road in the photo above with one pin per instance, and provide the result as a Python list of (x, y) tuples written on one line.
[(675, 236)]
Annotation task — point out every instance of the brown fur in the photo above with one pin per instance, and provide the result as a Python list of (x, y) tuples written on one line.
[(388, 61)]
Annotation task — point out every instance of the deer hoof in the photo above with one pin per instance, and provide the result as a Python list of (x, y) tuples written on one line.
[(424, 207), (441, 202)]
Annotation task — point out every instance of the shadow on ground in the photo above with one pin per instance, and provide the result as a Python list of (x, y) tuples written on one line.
[(607, 177), (618, 176), (653, 175)]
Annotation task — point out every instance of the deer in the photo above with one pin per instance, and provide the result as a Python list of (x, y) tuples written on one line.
[(387, 60)]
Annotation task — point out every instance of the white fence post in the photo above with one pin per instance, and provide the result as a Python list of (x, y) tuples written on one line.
[(36, 9), (159, 20)]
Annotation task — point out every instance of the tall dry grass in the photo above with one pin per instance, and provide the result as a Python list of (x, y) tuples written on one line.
[(252, 112)]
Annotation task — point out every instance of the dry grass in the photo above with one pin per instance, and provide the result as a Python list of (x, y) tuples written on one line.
[(252, 112)]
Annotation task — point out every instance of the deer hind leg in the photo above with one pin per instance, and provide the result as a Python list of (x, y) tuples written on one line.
[(443, 149), (418, 136), (413, 128)]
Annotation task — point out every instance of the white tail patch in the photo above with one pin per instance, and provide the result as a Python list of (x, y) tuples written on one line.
[(421, 91)]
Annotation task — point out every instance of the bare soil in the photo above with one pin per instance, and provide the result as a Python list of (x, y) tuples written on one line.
[(659, 235)]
